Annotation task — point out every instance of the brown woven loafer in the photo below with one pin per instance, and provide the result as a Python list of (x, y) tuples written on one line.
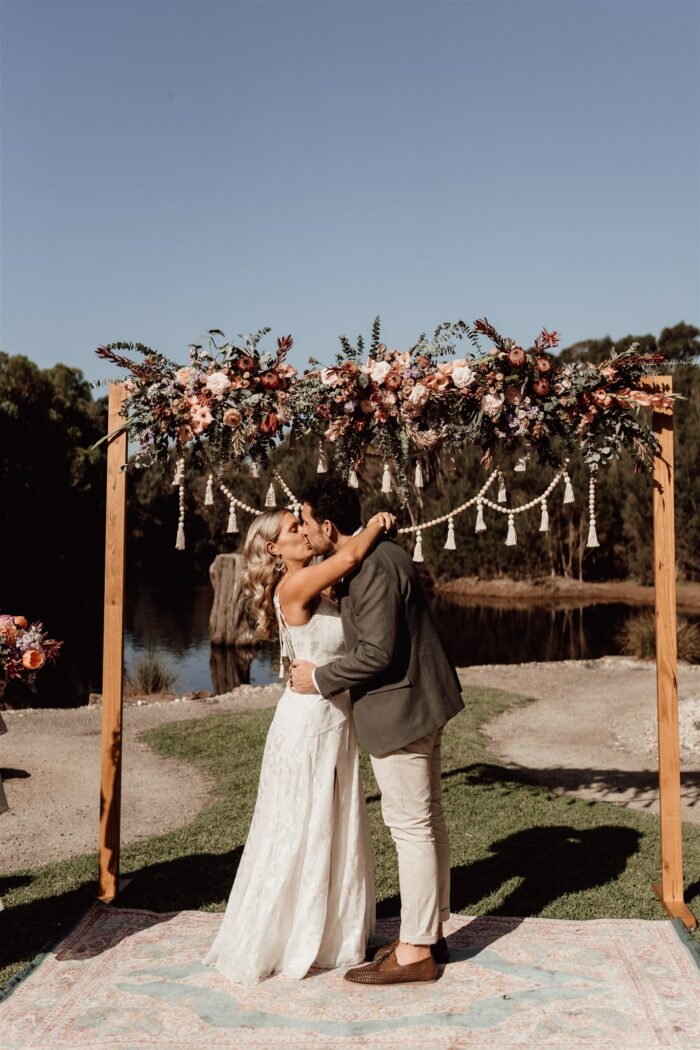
[(389, 971), (439, 951)]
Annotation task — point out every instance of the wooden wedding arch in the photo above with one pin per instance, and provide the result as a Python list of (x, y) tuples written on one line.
[(669, 889)]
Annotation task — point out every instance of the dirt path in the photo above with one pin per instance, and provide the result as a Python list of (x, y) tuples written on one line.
[(591, 732), (50, 762)]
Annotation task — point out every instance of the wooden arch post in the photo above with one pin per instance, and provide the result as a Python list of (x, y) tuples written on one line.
[(113, 652), (670, 889)]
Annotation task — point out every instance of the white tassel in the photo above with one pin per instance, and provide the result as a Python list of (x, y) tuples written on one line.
[(592, 536), (480, 523), (521, 465), (232, 520), (386, 478), (418, 549), (568, 490), (270, 496), (179, 471), (352, 479), (322, 465), (501, 497), (254, 469), (209, 494), (511, 538), (418, 478), (544, 520), (450, 544), (180, 538)]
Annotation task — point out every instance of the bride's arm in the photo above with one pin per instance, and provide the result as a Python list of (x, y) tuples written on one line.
[(309, 582)]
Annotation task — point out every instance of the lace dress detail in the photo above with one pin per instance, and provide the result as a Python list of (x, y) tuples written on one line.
[(304, 893)]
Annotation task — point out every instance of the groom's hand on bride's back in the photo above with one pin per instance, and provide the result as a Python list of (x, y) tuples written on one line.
[(301, 676)]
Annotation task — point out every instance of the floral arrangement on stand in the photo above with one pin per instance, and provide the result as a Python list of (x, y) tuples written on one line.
[(24, 648)]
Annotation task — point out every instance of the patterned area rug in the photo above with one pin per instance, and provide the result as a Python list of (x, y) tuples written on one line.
[(125, 978)]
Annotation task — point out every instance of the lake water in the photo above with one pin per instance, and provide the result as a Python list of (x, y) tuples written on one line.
[(175, 623)]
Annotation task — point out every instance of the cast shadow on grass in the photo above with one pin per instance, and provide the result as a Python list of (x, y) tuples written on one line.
[(189, 883), (641, 786), (549, 862)]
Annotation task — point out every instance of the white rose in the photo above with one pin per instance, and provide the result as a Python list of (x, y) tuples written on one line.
[(419, 395), (462, 376), (491, 406), (380, 370), (218, 382), (328, 376)]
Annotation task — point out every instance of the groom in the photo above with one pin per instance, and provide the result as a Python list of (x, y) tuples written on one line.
[(403, 690)]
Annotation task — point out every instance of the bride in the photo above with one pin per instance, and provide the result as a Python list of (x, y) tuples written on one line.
[(304, 893)]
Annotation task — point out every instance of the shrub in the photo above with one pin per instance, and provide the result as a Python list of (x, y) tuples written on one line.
[(637, 637), (149, 674)]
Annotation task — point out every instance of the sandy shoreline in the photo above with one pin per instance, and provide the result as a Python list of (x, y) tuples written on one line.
[(556, 590), (591, 731)]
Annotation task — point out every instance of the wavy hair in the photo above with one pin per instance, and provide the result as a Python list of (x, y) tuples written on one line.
[(260, 576)]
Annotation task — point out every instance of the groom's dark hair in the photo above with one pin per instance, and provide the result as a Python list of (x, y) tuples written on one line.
[(333, 500)]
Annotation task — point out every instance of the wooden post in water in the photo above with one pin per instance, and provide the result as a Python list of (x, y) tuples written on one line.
[(670, 889), (113, 652)]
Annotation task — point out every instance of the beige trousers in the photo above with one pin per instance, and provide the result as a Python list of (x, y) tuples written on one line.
[(411, 789)]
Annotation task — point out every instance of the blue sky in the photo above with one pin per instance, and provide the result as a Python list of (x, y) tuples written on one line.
[(169, 167)]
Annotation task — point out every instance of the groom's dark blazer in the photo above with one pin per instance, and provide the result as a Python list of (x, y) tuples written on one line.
[(401, 683)]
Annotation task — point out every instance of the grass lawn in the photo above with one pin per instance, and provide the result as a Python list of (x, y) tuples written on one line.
[(517, 849)]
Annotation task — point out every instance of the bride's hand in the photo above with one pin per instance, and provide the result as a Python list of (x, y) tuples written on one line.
[(385, 521)]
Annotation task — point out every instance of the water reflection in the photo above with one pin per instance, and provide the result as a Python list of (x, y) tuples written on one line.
[(479, 633), (175, 622)]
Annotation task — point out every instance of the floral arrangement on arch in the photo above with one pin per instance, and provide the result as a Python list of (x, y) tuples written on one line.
[(24, 647), (237, 398), (508, 399)]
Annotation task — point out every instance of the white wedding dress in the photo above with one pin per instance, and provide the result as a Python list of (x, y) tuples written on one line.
[(304, 891)]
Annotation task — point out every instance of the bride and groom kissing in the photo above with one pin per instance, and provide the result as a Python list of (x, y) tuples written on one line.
[(367, 665)]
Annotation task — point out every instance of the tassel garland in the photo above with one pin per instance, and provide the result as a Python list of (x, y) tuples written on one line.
[(511, 538), (232, 520), (544, 520), (568, 490), (209, 494), (254, 469), (418, 478), (592, 534), (480, 523), (450, 544), (352, 479), (386, 478), (520, 466), (270, 496), (180, 538), (418, 549), (179, 471), (501, 497), (322, 465)]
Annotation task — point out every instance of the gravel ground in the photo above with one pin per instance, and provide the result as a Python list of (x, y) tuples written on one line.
[(591, 732), (50, 761)]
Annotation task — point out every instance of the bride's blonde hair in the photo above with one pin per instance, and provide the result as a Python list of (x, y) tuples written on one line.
[(262, 571)]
